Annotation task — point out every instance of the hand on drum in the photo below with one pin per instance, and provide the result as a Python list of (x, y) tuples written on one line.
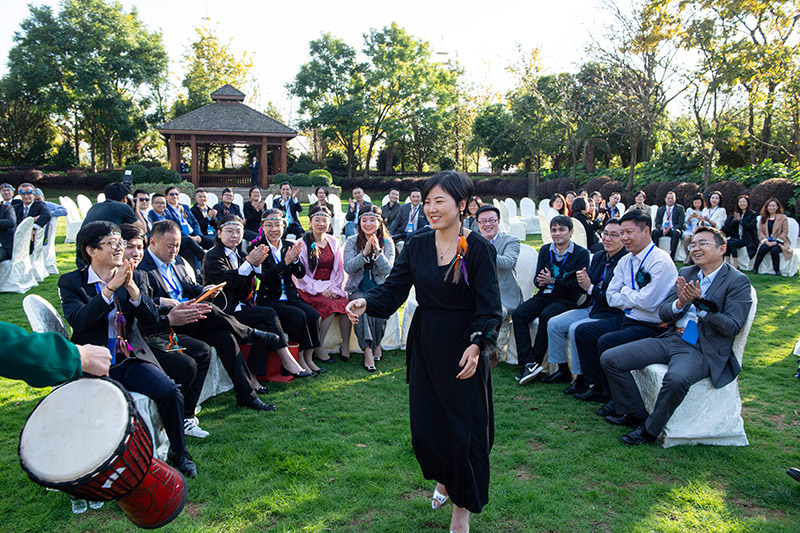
[(355, 309), (469, 362), (95, 360)]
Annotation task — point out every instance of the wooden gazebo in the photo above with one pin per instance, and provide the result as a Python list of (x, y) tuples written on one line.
[(226, 120)]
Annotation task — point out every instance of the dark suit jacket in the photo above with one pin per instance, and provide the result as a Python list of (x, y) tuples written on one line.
[(749, 225), (730, 290), (37, 209), (590, 226), (252, 217), (169, 214), (678, 217), (389, 213), (272, 272), (294, 207), (8, 224), (86, 311), (202, 221), (398, 228), (218, 268), (600, 308), (350, 216), (223, 211), (565, 287), (159, 286)]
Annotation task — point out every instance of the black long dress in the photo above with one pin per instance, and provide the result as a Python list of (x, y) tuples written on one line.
[(452, 420)]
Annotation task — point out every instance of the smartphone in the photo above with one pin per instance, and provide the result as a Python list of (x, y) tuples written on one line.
[(209, 292)]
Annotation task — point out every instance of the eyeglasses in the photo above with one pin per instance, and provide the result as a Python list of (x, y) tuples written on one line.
[(174, 194), (704, 243), (144, 198), (26, 192), (487, 221), (611, 235), (273, 225), (116, 244), (233, 231)]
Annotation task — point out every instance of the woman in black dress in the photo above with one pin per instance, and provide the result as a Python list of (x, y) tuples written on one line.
[(741, 228), (449, 376)]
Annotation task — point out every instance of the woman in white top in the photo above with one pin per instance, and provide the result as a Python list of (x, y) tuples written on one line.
[(693, 217), (714, 215)]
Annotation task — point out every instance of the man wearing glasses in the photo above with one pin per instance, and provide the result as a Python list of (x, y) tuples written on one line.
[(6, 193), (141, 205), (30, 207), (706, 308), (507, 248)]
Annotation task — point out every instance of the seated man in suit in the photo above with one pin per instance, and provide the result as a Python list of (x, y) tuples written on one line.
[(641, 281), (29, 207), (391, 208), (104, 303), (507, 248), (193, 242), (558, 292), (595, 283), (612, 208), (172, 283), (669, 223), (6, 193), (8, 224), (707, 306), (226, 206), (204, 215), (290, 205), (410, 218), (187, 367), (225, 263), (357, 205)]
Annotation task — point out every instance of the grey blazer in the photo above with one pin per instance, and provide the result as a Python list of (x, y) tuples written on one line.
[(730, 290), (354, 264), (507, 247)]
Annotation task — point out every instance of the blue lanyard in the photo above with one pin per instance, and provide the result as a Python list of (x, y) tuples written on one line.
[(633, 277), (552, 260), (175, 289)]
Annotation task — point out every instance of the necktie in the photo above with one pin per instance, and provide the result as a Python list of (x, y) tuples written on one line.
[(668, 222), (25, 211)]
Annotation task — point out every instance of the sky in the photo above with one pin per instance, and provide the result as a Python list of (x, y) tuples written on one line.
[(484, 37)]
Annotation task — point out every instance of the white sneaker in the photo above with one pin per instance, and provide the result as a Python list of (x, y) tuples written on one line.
[(192, 429), (95, 505), (530, 371)]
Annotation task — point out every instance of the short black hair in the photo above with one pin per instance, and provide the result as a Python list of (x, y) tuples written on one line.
[(637, 193), (164, 226), (156, 195), (227, 189), (486, 207), (116, 191), (578, 204), (639, 218), (90, 235), (395, 189), (286, 183), (561, 220), (166, 192), (140, 191), (316, 191), (719, 237), (458, 186), (614, 220), (199, 191), (253, 188), (131, 231), (414, 189)]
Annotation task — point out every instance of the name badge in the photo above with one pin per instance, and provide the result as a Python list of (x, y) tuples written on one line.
[(629, 311)]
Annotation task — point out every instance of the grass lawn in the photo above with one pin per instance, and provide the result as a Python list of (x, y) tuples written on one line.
[(337, 455)]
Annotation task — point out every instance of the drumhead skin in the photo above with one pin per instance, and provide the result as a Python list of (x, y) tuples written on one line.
[(74, 430)]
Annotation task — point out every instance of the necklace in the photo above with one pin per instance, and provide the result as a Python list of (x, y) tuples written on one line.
[(446, 250)]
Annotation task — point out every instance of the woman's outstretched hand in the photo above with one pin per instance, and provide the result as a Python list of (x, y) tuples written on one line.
[(469, 362), (355, 309)]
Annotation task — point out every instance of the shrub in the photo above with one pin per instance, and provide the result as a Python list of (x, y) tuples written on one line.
[(146, 163), (730, 191), (549, 188), (609, 187), (303, 165), (662, 191), (76, 174), (277, 179), (447, 163), (139, 172), (519, 188), (300, 180), (321, 177), (113, 176), (596, 184), (780, 188), (336, 161), (651, 192), (684, 192), (752, 176), (162, 175), (65, 156)]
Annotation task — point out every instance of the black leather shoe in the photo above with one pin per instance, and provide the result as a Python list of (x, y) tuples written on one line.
[(794, 473), (579, 385), (329, 360), (558, 377), (262, 390), (630, 420), (301, 374), (593, 394), (184, 464), (256, 405), (607, 410), (637, 436), (268, 339)]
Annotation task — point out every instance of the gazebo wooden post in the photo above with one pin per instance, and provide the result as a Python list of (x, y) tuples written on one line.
[(195, 162), (283, 155), (263, 171), (174, 160)]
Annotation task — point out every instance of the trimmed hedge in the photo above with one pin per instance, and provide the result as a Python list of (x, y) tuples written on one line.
[(780, 188)]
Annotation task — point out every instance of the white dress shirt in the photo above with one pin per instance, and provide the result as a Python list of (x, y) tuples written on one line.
[(643, 302)]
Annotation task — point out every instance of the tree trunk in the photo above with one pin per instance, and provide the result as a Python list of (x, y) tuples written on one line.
[(634, 148), (94, 151), (222, 156), (573, 155), (388, 170), (750, 130), (77, 141), (766, 129), (588, 155), (107, 158), (796, 125)]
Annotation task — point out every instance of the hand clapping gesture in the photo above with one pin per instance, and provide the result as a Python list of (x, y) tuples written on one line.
[(687, 291), (187, 312), (293, 253), (544, 277), (257, 255), (583, 279)]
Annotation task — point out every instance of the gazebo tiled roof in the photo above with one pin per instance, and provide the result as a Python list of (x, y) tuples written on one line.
[(227, 117)]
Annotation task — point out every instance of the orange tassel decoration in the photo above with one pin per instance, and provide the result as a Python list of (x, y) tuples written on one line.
[(458, 267)]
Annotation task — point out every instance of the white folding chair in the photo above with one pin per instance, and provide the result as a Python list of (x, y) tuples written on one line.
[(16, 274), (213, 199), (544, 205), (238, 200), (50, 262), (183, 198), (42, 316), (101, 197), (84, 204), (73, 218), (37, 256)]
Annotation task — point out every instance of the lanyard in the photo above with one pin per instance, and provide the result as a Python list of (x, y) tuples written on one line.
[(552, 260), (633, 277), (174, 289)]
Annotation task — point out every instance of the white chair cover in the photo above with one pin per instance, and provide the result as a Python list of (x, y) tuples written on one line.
[(42, 316), (74, 220), (184, 199), (794, 229), (37, 256), (503, 214), (213, 199), (578, 233), (333, 338), (408, 315), (148, 410), (367, 198), (311, 198), (621, 208), (50, 262), (544, 225), (653, 211), (101, 197), (16, 274), (385, 200), (680, 253), (528, 215), (238, 199), (544, 205), (84, 204), (336, 202), (391, 337), (511, 205), (217, 379), (526, 272), (707, 415)]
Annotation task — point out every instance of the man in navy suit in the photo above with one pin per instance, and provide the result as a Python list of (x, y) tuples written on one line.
[(290, 205), (104, 302), (8, 224), (30, 207)]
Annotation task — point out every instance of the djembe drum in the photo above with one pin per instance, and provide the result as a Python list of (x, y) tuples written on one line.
[(87, 439)]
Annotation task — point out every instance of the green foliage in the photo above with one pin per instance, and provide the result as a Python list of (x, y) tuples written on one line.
[(277, 179), (65, 156), (139, 173), (321, 177), (303, 165), (493, 129), (113, 176), (163, 175), (752, 176), (447, 163), (300, 180), (336, 161), (26, 133)]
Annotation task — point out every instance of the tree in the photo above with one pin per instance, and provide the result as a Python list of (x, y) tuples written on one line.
[(330, 88), (494, 131), (26, 133), (89, 64)]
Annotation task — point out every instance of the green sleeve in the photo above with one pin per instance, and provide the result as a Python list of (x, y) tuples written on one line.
[(40, 359)]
